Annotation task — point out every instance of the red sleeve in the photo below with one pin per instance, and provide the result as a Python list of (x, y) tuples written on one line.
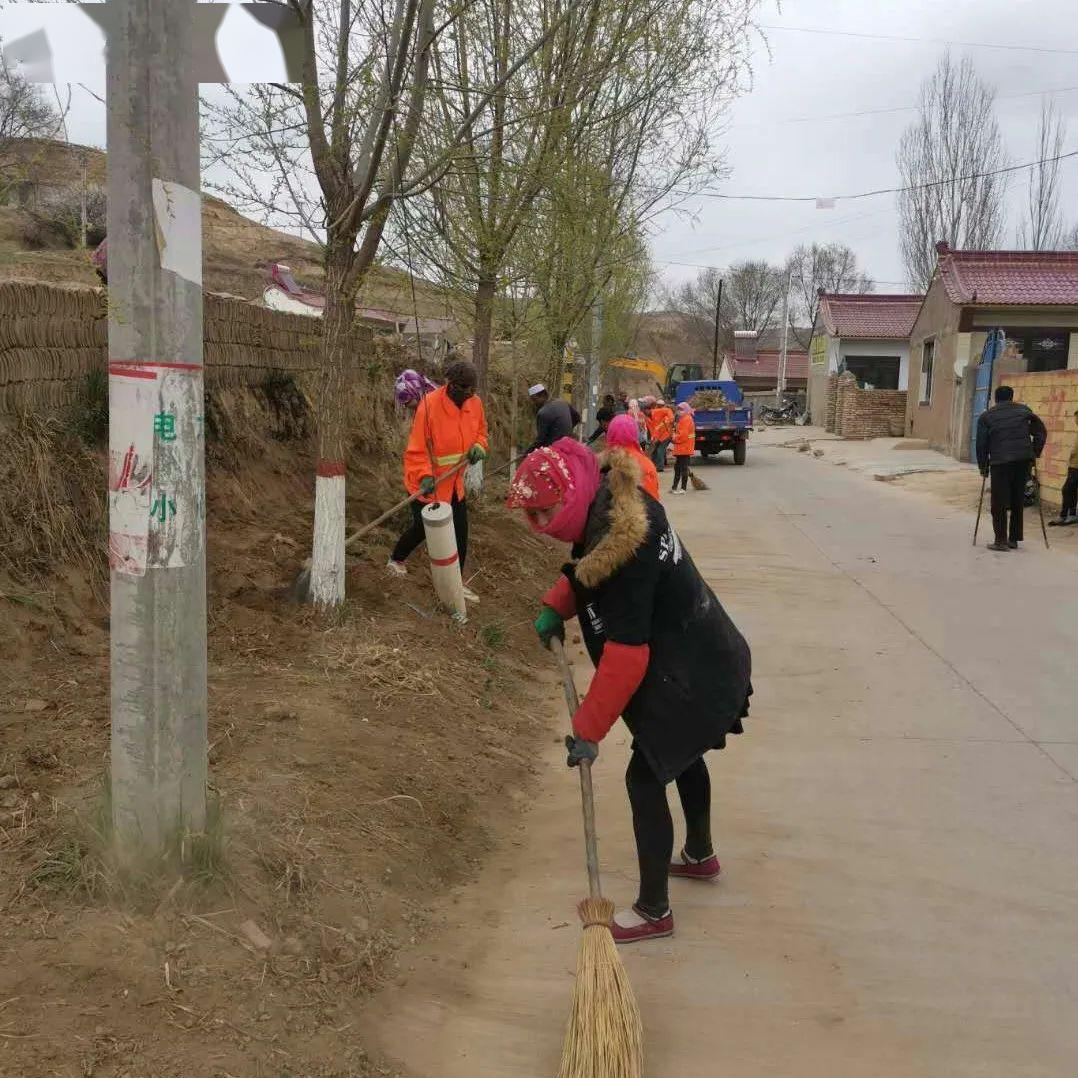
[(561, 599), (618, 676)]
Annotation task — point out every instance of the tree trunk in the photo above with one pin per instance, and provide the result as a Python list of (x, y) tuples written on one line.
[(484, 317), (327, 554)]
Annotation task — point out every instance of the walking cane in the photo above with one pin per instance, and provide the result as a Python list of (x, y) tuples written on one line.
[(1040, 506), (980, 507)]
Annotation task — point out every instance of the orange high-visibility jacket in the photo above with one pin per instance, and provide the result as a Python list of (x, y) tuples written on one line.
[(684, 437), (661, 424), (441, 434), (649, 476)]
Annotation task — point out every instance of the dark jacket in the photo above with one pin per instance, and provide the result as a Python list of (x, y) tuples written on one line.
[(554, 420), (636, 584), (1009, 432)]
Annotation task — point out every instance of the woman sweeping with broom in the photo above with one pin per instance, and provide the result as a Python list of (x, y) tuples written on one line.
[(668, 658)]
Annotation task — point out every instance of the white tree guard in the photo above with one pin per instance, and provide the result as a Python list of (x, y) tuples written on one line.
[(444, 558), (327, 555)]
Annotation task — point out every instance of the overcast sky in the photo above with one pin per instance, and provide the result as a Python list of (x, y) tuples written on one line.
[(780, 143), (809, 76)]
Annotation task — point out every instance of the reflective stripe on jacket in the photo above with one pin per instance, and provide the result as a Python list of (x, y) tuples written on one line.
[(685, 437), (444, 432)]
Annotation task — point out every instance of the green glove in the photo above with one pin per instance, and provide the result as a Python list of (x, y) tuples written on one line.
[(426, 486), (580, 750), (548, 625), (476, 454)]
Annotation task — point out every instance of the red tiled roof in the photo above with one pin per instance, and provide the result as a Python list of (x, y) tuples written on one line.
[(1026, 278), (869, 316), (766, 364)]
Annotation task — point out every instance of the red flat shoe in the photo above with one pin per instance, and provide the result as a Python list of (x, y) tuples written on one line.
[(688, 869), (632, 926)]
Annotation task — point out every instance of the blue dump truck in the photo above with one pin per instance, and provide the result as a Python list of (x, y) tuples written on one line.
[(719, 428)]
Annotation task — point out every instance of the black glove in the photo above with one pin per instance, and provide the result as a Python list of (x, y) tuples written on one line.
[(984, 473), (579, 749)]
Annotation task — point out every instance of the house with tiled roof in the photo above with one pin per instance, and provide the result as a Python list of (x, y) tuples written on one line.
[(756, 359), (867, 334), (1031, 295)]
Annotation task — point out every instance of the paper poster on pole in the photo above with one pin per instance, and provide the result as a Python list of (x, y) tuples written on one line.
[(175, 512), (133, 401)]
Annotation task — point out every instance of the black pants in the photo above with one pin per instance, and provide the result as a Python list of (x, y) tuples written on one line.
[(658, 454), (681, 472), (1070, 494), (1008, 497), (414, 535), (654, 827)]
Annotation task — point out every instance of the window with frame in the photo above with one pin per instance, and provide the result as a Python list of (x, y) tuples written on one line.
[(928, 357)]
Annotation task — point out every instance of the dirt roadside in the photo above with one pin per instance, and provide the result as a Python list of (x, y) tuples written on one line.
[(362, 763)]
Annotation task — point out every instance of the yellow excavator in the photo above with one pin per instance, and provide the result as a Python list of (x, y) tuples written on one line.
[(666, 379)]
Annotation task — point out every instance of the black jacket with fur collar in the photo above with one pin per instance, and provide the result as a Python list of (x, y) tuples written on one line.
[(636, 584)]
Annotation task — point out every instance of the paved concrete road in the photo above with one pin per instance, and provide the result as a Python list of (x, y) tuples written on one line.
[(898, 828)]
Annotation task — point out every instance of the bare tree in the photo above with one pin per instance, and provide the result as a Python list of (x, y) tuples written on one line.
[(1042, 230), (1069, 241), (695, 301), (945, 158), (330, 157), (25, 114), (831, 267)]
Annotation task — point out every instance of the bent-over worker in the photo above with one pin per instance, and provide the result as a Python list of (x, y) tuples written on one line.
[(668, 658), (449, 426), (1009, 437), (554, 419)]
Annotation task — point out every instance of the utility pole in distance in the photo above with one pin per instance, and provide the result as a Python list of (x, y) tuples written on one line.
[(780, 382), (158, 53), (715, 346)]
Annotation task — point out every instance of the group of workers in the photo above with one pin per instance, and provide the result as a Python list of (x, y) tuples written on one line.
[(668, 658)]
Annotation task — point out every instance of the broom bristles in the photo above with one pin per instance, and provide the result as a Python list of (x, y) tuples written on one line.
[(697, 482), (604, 1037)]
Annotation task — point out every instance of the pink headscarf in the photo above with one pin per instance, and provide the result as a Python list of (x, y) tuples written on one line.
[(565, 471), (622, 431), (685, 408)]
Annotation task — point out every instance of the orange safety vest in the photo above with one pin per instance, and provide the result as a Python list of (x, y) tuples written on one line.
[(685, 437), (662, 424), (649, 476), (441, 435)]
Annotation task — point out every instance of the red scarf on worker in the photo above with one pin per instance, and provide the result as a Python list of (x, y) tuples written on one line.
[(565, 472)]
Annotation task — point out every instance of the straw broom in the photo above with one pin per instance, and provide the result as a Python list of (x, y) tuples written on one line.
[(604, 1037)]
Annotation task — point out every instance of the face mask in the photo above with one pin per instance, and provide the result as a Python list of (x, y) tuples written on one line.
[(459, 394)]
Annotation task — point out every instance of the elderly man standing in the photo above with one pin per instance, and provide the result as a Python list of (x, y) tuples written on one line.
[(1009, 437), (554, 419)]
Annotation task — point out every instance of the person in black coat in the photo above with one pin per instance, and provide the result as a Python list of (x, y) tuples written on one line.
[(554, 418), (1009, 437), (668, 658)]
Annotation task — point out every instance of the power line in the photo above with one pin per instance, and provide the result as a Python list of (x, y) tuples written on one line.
[(919, 40), (892, 190), (911, 108)]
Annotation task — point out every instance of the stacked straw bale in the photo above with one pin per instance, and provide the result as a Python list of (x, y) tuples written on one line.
[(52, 336)]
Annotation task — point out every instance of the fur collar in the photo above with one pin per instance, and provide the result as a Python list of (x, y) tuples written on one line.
[(625, 526)]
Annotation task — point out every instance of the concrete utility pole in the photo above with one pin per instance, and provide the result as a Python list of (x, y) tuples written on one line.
[(158, 52), (715, 345), (780, 383), (594, 370)]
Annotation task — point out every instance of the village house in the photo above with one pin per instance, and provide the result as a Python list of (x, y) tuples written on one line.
[(756, 359), (1031, 295), (866, 334)]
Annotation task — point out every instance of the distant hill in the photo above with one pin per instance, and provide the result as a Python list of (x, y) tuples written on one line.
[(235, 249)]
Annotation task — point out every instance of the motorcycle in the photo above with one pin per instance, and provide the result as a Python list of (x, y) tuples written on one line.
[(790, 411)]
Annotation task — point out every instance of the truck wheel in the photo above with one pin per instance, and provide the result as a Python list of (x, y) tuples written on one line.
[(739, 452)]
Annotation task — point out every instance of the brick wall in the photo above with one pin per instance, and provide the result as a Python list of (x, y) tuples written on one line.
[(832, 402), (1054, 397), (868, 413)]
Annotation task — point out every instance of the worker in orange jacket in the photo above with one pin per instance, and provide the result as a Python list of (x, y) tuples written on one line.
[(684, 446), (661, 430), (449, 426)]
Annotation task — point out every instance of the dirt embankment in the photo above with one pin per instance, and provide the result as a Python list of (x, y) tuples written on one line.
[(360, 762)]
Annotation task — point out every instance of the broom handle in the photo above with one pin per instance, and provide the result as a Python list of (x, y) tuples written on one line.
[(587, 795)]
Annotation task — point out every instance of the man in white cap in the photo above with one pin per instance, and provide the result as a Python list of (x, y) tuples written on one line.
[(554, 419)]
